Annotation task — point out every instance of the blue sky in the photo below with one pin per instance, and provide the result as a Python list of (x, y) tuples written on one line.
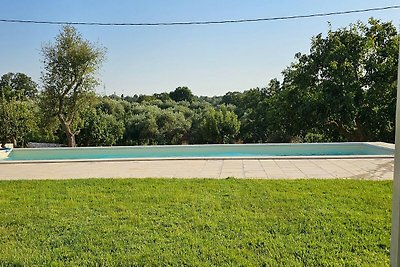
[(209, 59)]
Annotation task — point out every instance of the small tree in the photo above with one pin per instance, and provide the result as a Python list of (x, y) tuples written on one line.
[(18, 121), (70, 65)]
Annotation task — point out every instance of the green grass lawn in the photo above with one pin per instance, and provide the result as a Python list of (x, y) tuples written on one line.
[(195, 222)]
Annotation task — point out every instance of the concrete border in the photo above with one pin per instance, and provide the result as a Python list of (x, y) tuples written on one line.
[(367, 168)]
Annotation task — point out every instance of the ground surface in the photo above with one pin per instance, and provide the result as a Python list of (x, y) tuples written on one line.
[(372, 169), (195, 222)]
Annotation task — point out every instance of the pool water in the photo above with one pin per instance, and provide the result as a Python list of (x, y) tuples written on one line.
[(199, 151)]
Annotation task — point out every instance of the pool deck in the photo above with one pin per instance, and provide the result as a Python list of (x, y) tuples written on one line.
[(368, 169)]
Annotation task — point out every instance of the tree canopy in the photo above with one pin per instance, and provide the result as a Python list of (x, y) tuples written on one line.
[(17, 86), (347, 83), (70, 65), (181, 94)]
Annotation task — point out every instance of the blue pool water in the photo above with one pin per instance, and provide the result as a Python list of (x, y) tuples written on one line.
[(199, 151)]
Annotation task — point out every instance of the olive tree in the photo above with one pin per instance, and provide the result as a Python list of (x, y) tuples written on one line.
[(69, 77)]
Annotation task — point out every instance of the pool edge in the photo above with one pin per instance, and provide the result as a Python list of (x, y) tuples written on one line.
[(382, 145), (201, 158)]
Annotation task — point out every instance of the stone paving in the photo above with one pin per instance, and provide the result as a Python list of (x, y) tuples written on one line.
[(370, 169)]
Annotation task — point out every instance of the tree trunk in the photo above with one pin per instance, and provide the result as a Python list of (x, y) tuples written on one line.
[(356, 134), (70, 139), (70, 135)]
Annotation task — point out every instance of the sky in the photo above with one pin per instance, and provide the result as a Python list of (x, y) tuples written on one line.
[(209, 59)]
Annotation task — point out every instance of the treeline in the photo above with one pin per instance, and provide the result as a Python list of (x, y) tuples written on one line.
[(344, 89), (112, 120)]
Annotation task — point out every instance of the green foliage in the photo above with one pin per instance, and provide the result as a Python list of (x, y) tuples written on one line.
[(172, 127), (315, 138), (18, 120), (347, 83), (141, 130), (186, 222), (112, 107), (219, 126), (254, 108), (213, 100), (17, 86), (100, 129), (343, 90), (18, 109), (254, 121), (182, 94), (70, 65), (141, 125), (149, 124)]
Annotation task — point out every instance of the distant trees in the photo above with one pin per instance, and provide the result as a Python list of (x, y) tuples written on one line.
[(344, 89), (218, 126), (141, 126), (150, 124), (70, 65)]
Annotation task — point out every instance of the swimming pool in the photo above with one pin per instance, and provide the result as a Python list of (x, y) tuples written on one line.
[(234, 151)]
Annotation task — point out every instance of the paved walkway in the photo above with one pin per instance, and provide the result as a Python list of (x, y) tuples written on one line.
[(371, 169)]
